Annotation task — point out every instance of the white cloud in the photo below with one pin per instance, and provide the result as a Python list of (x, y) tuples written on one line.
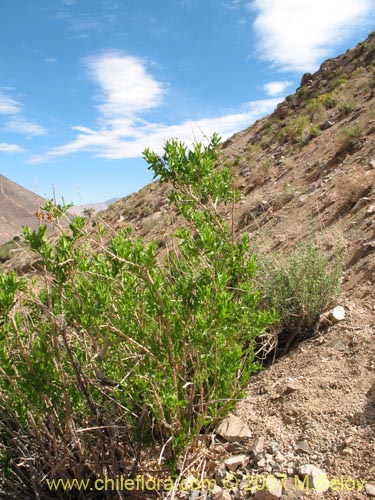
[(127, 87), (8, 105), (276, 88), (69, 2), (16, 122), (127, 139), (297, 34), (50, 60), (22, 126), (127, 92), (10, 148)]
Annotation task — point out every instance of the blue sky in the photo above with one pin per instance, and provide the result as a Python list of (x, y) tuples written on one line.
[(86, 85)]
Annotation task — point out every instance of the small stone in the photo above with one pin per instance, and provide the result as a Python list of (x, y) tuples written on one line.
[(232, 463), (303, 446), (233, 429), (280, 457), (360, 203), (220, 474), (327, 124), (372, 163), (273, 448), (323, 164), (197, 495), (370, 488), (271, 491), (258, 446), (219, 494), (337, 314), (292, 386), (262, 462), (370, 210), (314, 477), (292, 488)]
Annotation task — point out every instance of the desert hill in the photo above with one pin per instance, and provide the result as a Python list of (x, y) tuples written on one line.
[(17, 208), (91, 208), (302, 168), (307, 168), (306, 171)]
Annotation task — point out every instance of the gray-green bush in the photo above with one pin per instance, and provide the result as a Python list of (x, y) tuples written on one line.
[(299, 287)]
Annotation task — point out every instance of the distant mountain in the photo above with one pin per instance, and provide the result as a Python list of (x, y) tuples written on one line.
[(18, 207), (94, 207)]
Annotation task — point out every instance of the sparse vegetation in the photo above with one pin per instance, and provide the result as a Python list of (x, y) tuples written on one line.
[(8, 249), (283, 197), (346, 104), (119, 347), (352, 189), (299, 288), (298, 131), (349, 134)]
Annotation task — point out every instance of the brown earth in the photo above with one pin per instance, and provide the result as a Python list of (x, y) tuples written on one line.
[(17, 208)]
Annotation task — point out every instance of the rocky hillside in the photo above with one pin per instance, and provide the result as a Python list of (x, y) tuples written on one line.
[(307, 170), (17, 208)]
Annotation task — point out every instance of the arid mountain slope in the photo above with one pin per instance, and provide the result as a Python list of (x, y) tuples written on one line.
[(91, 208), (17, 208), (307, 170)]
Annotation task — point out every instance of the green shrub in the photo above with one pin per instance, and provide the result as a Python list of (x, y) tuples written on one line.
[(298, 131), (300, 287), (348, 135), (346, 105), (114, 348), (7, 249)]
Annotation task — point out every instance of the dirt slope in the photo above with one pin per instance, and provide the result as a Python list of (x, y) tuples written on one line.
[(17, 209)]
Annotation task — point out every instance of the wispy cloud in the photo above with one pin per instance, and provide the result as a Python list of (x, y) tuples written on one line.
[(50, 60), (10, 148), (128, 139), (22, 126), (126, 86), (81, 25), (232, 4), (273, 89), (16, 121), (8, 105), (297, 34), (69, 2), (128, 92)]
